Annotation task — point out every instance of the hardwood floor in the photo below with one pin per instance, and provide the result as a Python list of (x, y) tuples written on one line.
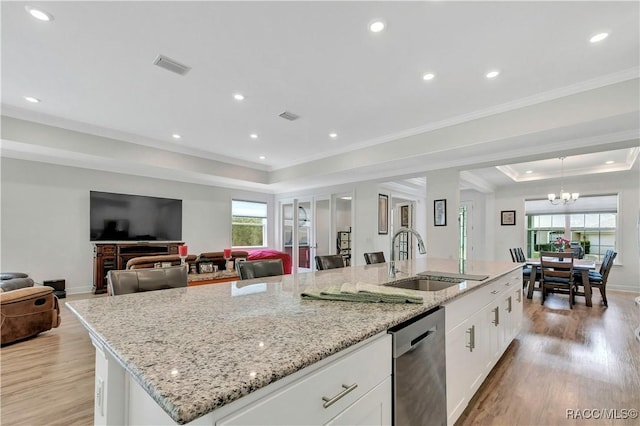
[(579, 359), (585, 358), (48, 380)]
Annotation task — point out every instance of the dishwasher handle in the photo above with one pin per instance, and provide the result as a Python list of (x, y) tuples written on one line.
[(418, 340), (408, 337)]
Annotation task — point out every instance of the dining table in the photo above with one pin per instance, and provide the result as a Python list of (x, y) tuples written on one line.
[(582, 265)]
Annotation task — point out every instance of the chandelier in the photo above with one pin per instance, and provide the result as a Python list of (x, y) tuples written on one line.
[(564, 197)]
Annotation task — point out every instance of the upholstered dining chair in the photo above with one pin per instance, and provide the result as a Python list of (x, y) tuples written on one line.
[(259, 268), (556, 274), (374, 257), (331, 261), (517, 255), (599, 278), (139, 280)]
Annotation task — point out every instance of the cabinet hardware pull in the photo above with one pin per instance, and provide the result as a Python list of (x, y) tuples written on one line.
[(496, 320), (328, 402), (508, 284), (495, 292), (519, 296), (472, 338), (510, 307)]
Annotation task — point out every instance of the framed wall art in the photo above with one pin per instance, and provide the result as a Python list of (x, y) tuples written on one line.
[(383, 214), (404, 216), (440, 212), (508, 217)]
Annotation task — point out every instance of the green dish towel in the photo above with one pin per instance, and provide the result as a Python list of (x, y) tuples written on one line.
[(363, 292)]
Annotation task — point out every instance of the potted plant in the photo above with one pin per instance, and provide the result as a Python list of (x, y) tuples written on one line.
[(586, 245)]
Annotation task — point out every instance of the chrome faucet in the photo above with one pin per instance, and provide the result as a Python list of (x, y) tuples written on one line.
[(392, 261)]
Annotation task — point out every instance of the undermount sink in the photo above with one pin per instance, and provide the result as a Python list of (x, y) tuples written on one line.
[(423, 284)]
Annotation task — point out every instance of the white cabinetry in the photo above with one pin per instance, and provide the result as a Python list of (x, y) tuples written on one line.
[(480, 326), (351, 387), (339, 390)]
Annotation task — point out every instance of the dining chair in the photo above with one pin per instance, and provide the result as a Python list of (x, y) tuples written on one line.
[(556, 274), (374, 257), (517, 255), (599, 278), (331, 261), (139, 280), (259, 268)]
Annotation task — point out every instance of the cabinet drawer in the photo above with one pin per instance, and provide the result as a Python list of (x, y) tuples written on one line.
[(461, 308), (302, 402)]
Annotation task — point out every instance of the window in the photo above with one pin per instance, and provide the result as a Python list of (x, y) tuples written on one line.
[(248, 224), (594, 229)]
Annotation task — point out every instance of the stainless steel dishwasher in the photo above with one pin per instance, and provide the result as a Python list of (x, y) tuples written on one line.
[(419, 377)]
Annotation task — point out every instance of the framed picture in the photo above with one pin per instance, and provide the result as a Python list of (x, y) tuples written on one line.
[(508, 217), (440, 212), (404, 216), (205, 267), (383, 214)]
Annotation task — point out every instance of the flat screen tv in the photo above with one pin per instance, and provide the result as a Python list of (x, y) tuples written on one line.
[(123, 217)]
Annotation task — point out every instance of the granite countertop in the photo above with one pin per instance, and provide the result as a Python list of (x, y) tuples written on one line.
[(196, 349)]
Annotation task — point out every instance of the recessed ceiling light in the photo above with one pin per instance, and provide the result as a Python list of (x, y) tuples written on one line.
[(346, 198), (609, 162), (333, 135), (262, 157), (176, 136), (598, 37), (253, 136), (39, 14), (31, 99), (376, 26), (529, 172), (428, 76), (238, 96), (493, 74)]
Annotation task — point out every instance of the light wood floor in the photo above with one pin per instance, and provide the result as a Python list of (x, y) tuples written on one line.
[(563, 359)]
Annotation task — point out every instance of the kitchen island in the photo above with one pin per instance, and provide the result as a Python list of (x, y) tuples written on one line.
[(200, 354)]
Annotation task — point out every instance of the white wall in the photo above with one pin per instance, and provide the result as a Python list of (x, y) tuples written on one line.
[(625, 275), (45, 217), (444, 240), (365, 209)]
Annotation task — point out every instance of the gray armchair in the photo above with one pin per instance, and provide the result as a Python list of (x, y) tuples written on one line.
[(138, 280)]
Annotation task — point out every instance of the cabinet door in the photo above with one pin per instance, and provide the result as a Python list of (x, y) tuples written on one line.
[(505, 328), (465, 366), (516, 316), (373, 409), (493, 331)]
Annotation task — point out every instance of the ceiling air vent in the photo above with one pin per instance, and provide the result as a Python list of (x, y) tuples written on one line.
[(171, 65), (289, 116)]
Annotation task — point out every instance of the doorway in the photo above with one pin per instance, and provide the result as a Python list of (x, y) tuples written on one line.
[(308, 229)]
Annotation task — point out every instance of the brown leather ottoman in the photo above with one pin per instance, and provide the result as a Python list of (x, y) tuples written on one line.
[(27, 311)]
